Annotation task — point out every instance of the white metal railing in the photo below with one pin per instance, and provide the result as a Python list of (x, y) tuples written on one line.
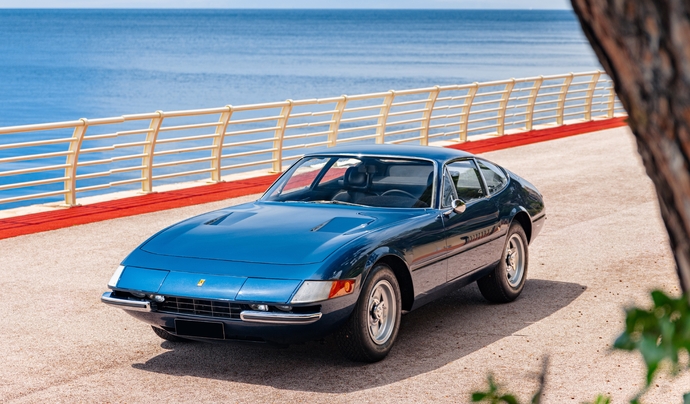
[(89, 155)]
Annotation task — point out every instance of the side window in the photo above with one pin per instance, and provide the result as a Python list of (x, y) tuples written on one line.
[(465, 177), (495, 178), (448, 193)]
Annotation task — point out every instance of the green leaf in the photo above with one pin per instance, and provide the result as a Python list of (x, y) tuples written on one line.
[(478, 396), (509, 399), (686, 398), (660, 299)]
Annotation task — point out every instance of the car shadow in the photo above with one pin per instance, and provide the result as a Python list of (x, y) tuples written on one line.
[(430, 337)]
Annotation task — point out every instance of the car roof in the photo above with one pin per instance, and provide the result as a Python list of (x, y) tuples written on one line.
[(437, 153)]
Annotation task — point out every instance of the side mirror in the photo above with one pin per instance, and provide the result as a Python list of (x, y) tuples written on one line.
[(458, 206)]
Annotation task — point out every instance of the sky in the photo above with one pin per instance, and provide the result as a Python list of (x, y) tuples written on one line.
[(382, 4)]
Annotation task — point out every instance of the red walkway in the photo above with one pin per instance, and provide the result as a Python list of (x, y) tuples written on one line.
[(37, 222)]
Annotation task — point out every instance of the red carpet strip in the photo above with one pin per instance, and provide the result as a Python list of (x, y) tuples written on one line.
[(136, 205)]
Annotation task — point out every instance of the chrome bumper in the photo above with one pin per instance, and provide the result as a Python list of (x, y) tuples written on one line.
[(250, 316), (272, 317), (126, 304)]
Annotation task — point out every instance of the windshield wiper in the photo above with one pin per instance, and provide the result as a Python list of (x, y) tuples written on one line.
[(335, 202)]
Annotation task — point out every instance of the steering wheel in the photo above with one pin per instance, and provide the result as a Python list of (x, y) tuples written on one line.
[(397, 192)]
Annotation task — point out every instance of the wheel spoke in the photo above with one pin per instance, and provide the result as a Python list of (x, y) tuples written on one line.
[(375, 327)]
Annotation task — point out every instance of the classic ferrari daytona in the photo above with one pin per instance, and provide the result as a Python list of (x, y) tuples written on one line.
[(343, 243)]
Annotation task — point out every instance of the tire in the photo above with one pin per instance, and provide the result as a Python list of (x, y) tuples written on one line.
[(505, 283), (369, 333), (167, 336)]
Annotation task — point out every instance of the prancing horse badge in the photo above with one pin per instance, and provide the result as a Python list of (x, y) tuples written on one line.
[(201, 282)]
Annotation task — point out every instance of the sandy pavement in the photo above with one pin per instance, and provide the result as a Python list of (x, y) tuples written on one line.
[(603, 247)]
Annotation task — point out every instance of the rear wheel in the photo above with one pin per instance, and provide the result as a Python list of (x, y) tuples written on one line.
[(167, 336), (371, 330), (505, 283)]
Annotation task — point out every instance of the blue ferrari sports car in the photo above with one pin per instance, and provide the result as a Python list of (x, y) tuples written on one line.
[(343, 243)]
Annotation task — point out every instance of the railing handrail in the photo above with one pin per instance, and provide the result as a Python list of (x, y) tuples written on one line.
[(456, 111)]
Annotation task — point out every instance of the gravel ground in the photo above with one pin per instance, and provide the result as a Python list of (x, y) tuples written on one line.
[(603, 248)]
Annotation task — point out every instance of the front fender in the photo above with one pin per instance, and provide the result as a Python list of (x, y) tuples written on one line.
[(377, 255)]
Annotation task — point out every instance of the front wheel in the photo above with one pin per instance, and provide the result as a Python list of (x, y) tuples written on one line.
[(371, 330), (505, 283)]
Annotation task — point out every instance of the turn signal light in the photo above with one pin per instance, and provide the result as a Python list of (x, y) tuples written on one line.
[(342, 288), (315, 291)]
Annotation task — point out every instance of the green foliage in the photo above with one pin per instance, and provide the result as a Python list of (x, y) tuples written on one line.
[(601, 400), (493, 395), (659, 333)]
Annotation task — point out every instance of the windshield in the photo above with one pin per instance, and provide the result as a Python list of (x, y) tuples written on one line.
[(367, 181)]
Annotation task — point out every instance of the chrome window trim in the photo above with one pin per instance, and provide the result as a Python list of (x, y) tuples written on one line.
[(503, 170), (481, 178)]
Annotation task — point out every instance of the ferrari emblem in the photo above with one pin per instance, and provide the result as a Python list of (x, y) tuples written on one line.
[(201, 282)]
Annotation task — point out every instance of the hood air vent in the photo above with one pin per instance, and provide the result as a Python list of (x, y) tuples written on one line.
[(342, 224), (216, 221)]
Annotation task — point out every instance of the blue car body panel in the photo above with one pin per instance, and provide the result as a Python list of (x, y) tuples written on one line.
[(142, 279), (186, 284), (262, 252), (268, 290)]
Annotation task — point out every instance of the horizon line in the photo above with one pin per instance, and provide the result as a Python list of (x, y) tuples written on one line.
[(285, 8)]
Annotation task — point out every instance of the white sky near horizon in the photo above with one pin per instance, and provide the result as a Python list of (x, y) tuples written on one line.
[(349, 4)]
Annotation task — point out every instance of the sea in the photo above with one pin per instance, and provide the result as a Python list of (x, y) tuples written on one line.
[(60, 65)]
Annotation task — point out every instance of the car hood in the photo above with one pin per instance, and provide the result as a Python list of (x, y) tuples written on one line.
[(271, 232)]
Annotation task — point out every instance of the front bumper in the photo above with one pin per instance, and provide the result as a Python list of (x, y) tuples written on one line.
[(126, 304), (251, 316), (245, 324)]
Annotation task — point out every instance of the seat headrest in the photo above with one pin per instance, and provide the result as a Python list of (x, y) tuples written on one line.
[(356, 177)]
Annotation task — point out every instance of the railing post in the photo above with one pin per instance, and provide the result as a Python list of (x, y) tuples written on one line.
[(465, 112), (429, 109), (218, 143), (529, 110), (385, 109), (590, 95), (278, 137), (560, 106), (149, 149), (612, 101), (500, 130), (72, 161), (335, 125)]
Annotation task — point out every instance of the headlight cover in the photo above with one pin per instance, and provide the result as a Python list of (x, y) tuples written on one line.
[(314, 291), (112, 283)]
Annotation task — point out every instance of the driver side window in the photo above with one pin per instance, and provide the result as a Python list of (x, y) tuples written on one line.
[(466, 180)]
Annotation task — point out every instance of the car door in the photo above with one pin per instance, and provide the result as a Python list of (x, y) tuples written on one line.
[(428, 247), (468, 233), (427, 244)]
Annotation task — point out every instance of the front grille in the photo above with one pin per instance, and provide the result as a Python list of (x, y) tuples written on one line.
[(208, 308)]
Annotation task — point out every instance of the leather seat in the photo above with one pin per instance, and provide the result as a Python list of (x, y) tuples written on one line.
[(356, 183)]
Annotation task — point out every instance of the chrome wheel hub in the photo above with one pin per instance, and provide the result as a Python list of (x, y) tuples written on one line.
[(515, 260), (381, 309)]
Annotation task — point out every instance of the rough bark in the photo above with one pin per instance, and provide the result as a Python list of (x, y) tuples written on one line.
[(644, 46)]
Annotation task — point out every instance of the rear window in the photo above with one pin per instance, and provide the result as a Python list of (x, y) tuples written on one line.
[(495, 177)]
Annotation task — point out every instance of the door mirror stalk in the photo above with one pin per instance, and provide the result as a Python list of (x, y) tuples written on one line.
[(458, 206)]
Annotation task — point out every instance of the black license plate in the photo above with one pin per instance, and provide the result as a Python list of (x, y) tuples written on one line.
[(201, 329)]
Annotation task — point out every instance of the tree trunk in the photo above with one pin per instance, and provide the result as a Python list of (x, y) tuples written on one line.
[(644, 46)]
